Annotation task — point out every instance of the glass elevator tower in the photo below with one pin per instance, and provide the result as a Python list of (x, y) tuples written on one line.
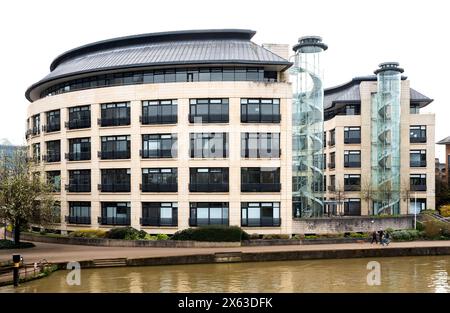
[(307, 128), (385, 145)]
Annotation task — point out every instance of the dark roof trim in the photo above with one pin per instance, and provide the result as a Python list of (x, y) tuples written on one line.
[(211, 34), (122, 68)]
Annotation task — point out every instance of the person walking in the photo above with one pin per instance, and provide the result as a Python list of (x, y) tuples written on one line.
[(386, 240), (380, 235), (374, 237)]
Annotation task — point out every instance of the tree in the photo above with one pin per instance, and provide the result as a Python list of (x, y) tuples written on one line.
[(367, 192), (406, 193), (339, 194), (24, 198)]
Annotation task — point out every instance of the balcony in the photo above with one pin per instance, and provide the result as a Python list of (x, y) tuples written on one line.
[(78, 187), (212, 118), (155, 221), (261, 222), (352, 187), (352, 140), (208, 187), (352, 164), (123, 221), (112, 155), (35, 131), (120, 121), (417, 139), (261, 187), (114, 187), (51, 128), (51, 158), (418, 187), (159, 187), (78, 219), (208, 221), (166, 119), (76, 124), (78, 156), (422, 163), (331, 188)]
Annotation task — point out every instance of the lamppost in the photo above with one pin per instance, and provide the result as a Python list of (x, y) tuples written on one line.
[(415, 210)]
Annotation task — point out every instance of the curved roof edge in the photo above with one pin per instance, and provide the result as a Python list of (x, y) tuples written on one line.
[(354, 80), (198, 34)]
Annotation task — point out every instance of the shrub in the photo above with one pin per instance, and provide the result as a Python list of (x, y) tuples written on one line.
[(445, 210), (358, 235), (254, 236), (88, 233), (295, 237), (276, 236), (149, 237), (212, 233), (406, 235), (432, 230), (127, 233), (311, 237), (8, 244), (162, 237)]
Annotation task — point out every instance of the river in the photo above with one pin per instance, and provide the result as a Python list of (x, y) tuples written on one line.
[(398, 274)]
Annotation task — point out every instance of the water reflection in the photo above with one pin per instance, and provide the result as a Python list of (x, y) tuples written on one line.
[(406, 274)]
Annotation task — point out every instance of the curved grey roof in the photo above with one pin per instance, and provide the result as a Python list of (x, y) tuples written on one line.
[(444, 141), (194, 47), (349, 92)]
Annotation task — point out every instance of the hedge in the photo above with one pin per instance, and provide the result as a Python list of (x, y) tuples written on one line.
[(212, 234), (8, 244)]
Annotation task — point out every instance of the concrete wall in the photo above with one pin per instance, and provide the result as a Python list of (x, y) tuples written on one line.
[(344, 224)]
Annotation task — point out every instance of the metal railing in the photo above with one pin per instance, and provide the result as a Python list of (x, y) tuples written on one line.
[(159, 187), (78, 219), (257, 187), (78, 187), (208, 221), (154, 221), (261, 222), (124, 187), (114, 220), (208, 187)]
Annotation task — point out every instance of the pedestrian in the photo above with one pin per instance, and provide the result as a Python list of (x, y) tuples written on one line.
[(374, 237), (386, 239), (380, 235)]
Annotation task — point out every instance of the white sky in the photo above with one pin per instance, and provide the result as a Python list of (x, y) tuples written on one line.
[(360, 35)]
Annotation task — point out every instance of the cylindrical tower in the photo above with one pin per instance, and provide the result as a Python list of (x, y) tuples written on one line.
[(386, 139), (307, 128)]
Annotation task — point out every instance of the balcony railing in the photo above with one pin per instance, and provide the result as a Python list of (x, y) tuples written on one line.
[(352, 164), (51, 128), (157, 154), (208, 221), (78, 187), (166, 119), (212, 118), (261, 222), (76, 124), (103, 122), (78, 156), (418, 164), (159, 187), (111, 155), (208, 187), (352, 187), (264, 187), (114, 220), (78, 219), (352, 140), (256, 118), (50, 158), (35, 131), (125, 187), (418, 187), (417, 139), (154, 221)]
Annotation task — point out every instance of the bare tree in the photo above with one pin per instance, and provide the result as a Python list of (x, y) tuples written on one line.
[(406, 193), (24, 198), (368, 192), (339, 194)]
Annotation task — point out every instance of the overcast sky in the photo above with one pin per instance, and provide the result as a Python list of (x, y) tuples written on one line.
[(360, 35)]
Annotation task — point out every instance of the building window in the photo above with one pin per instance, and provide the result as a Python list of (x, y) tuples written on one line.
[(260, 145), (53, 151), (79, 213), (352, 158), (159, 112), (116, 180), (208, 179), (260, 111), (79, 117), (332, 163), (324, 139), (115, 213), (115, 114), (324, 162), (208, 213), (36, 152), (418, 182), (79, 149), (79, 181), (352, 135), (159, 146), (332, 186), (159, 214), (414, 108), (352, 207), (349, 109), (53, 121), (418, 158), (332, 141), (417, 205), (418, 134), (260, 179), (260, 214), (54, 179), (159, 180), (208, 111), (35, 124), (115, 147), (209, 145), (352, 182)]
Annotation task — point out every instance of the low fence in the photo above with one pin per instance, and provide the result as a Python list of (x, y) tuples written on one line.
[(27, 272)]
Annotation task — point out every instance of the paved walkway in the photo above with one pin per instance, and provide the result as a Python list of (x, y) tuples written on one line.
[(65, 253)]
